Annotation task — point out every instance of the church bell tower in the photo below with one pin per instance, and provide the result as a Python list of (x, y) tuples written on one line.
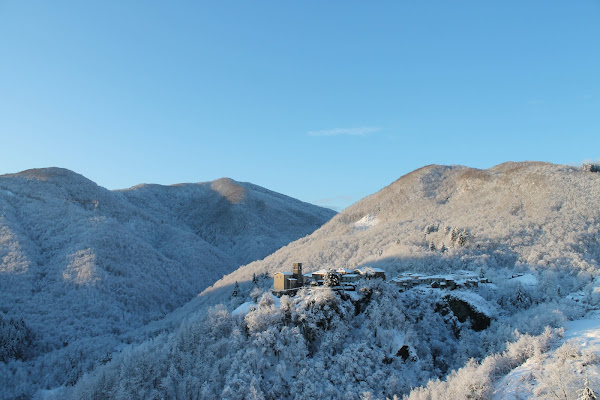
[(297, 271)]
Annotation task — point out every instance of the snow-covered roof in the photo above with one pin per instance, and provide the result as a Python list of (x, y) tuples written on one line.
[(320, 272), (345, 271), (463, 272), (402, 279), (245, 308), (370, 269), (437, 277), (526, 279), (350, 275), (284, 273)]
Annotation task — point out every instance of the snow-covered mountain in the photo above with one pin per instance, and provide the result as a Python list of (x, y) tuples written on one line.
[(82, 266), (522, 216), (245, 221), (532, 229)]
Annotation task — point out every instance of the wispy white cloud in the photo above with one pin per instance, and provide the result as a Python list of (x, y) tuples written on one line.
[(360, 131)]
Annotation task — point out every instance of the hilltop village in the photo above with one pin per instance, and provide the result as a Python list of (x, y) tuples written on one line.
[(290, 282)]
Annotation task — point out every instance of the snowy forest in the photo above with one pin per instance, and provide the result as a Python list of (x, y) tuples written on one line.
[(82, 268), (372, 343), (531, 229)]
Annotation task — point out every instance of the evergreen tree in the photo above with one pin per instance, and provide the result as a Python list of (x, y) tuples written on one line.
[(587, 393), (15, 339), (236, 290), (453, 235), (332, 278), (462, 238)]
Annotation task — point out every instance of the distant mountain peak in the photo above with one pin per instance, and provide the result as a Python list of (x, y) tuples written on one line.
[(47, 174), (80, 262), (230, 189), (515, 214)]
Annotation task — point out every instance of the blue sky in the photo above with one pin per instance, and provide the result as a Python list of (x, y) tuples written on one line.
[(323, 101)]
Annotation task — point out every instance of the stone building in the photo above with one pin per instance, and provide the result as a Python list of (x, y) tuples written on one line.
[(289, 280), (347, 277)]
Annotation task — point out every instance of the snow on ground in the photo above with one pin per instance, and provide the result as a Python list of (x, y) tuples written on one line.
[(366, 222), (248, 306), (276, 301), (398, 342), (526, 279), (245, 308), (585, 332), (519, 384)]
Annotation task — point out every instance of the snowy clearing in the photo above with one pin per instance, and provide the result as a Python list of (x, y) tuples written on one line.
[(366, 222), (526, 279), (521, 382)]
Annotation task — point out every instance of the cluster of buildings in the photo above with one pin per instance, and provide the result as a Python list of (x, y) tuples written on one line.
[(283, 281), (459, 279), (347, 277)]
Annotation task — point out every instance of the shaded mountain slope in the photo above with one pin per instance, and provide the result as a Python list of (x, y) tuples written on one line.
[(218, 212), (82, 265)]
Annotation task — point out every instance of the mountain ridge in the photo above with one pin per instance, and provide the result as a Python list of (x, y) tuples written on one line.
[(520, 200), (80, 263), (530, 231)]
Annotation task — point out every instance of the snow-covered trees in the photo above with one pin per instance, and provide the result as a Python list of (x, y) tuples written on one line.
[(590, 167), (332, 278), (537, 219), (15, 339), (476, 379), (327, 344), (563, 376), (236, 290), (586, 392), (84, 266)]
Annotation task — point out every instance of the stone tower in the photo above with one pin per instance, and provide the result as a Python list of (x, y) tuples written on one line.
[(297, 271)]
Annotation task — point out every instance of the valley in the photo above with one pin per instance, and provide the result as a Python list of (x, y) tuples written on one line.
[(484, 269)]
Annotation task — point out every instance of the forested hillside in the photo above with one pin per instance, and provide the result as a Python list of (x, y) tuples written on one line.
[(531, 229), (526, 216), (81, 267)]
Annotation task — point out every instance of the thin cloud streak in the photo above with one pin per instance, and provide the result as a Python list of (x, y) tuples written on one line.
[(330, 200), (360, 131)]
